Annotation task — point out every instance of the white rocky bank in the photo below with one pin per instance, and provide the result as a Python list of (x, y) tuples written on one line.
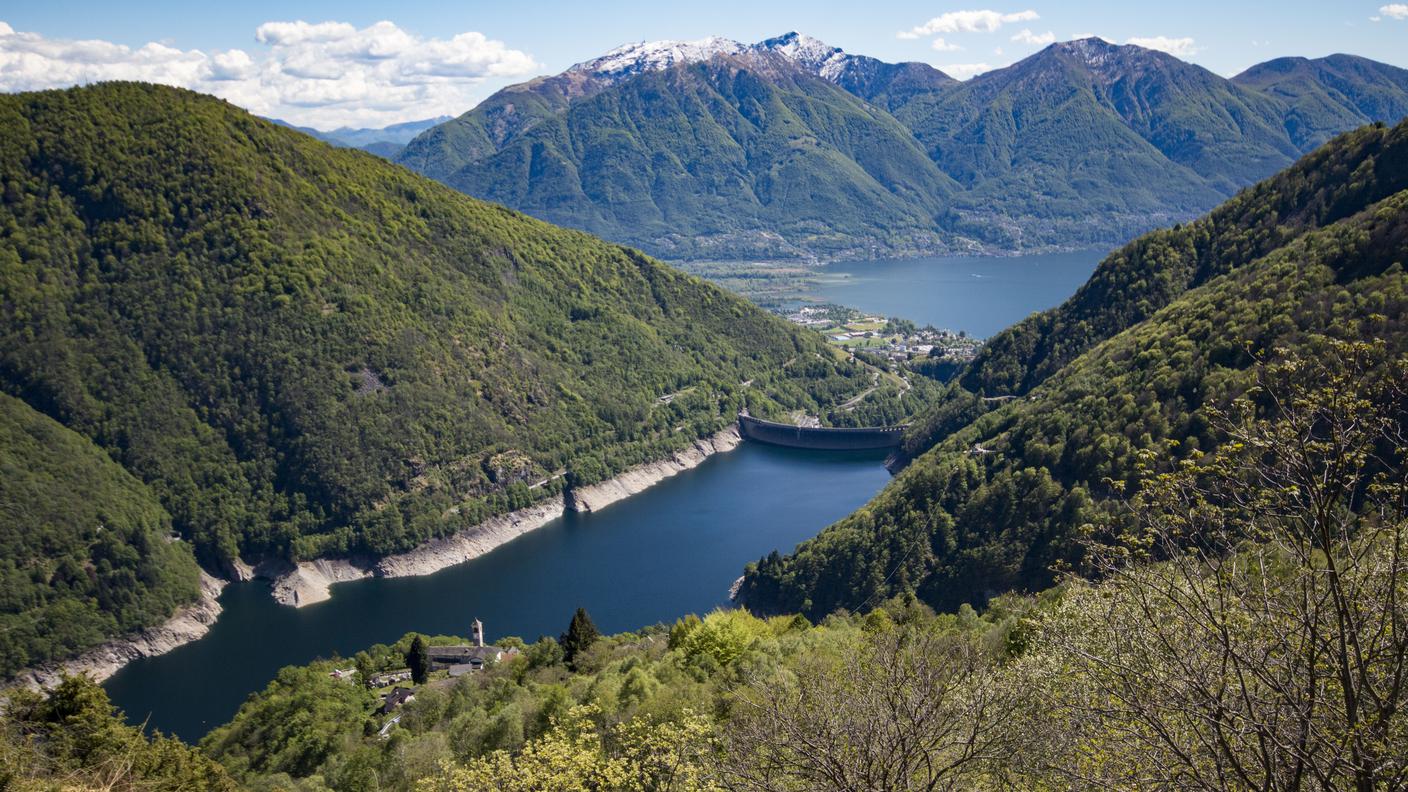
[(189, 623), (309, 582)]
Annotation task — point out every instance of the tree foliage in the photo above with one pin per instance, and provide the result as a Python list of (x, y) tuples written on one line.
[(1264, 646), (72, 739), (85, 551), (581, 634), (418, 660), (577, 755)]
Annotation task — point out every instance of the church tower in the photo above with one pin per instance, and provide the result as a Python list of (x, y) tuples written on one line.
[(476, 632)]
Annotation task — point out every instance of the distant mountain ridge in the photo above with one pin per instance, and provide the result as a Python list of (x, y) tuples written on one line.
[(384, 141), (718, 149), (1326, 94)]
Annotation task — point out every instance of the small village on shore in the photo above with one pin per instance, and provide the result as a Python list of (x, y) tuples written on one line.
[(890, 338)]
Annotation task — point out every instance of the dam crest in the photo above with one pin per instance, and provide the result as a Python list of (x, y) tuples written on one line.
[(821, 438)]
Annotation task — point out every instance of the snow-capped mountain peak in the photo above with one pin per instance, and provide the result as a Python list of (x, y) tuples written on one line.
[(811, 54), (638, 58), (629, 60)]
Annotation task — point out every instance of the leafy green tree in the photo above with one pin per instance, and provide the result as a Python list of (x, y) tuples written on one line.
[(580, 635), (418, 660), (573, 757), (1263, 646), (72, 739)]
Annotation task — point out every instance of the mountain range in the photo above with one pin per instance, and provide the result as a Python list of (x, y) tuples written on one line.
[(384, 142), (793, 148)]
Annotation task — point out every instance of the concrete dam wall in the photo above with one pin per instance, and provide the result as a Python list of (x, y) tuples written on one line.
[(821, 438)]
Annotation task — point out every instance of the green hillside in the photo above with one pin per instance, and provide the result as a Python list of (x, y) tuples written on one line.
[(73, 740), (84, 550), (1086, 137), (1132, 283), (1000, 498), (702, 159), (1330, 94), (306, 351)]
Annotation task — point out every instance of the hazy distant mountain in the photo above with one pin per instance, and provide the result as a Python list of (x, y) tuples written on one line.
[(789, 147), (1086, 141), (1327, 95), (384, 142)]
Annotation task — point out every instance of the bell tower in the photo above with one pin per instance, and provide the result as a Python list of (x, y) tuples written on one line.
[(476, 632)]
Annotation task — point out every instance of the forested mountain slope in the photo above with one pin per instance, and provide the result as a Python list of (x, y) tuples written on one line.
[(716, 149), (1087, 136), (1329, 184), (1330, 94), (742, 154), (303, 350), (996, 503), (84, 546)]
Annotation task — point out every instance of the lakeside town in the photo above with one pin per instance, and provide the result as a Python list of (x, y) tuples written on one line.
[(891, 339)]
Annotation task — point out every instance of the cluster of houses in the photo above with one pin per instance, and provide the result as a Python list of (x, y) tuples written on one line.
[(457, 660), (894, 340)]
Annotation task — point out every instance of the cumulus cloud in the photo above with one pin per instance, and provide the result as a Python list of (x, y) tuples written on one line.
[(324, 74), (1392, 11), (1173, 46), (944, 46), (1026, 36), (983, 21), (962, 71)]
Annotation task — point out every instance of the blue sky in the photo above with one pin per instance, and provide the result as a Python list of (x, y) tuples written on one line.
[(441, 57)]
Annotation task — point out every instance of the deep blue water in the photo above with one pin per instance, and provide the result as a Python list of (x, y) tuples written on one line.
[(671, 550), (979, 295)]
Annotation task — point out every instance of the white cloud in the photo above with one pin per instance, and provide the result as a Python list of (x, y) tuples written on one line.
[(962, 71), (1393, 11), (1173, 46), (984, 21), (1037, 39), (944, 46), (325, 75)]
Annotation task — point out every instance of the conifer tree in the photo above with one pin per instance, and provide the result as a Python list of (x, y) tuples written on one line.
[(418, 660), (580, 635)]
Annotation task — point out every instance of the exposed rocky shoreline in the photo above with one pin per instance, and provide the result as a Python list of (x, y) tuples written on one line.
[(189, 623), (642, 477), (308, 582)]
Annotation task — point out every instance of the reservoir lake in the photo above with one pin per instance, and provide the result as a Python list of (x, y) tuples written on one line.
[(977, 295), (671, 550)]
